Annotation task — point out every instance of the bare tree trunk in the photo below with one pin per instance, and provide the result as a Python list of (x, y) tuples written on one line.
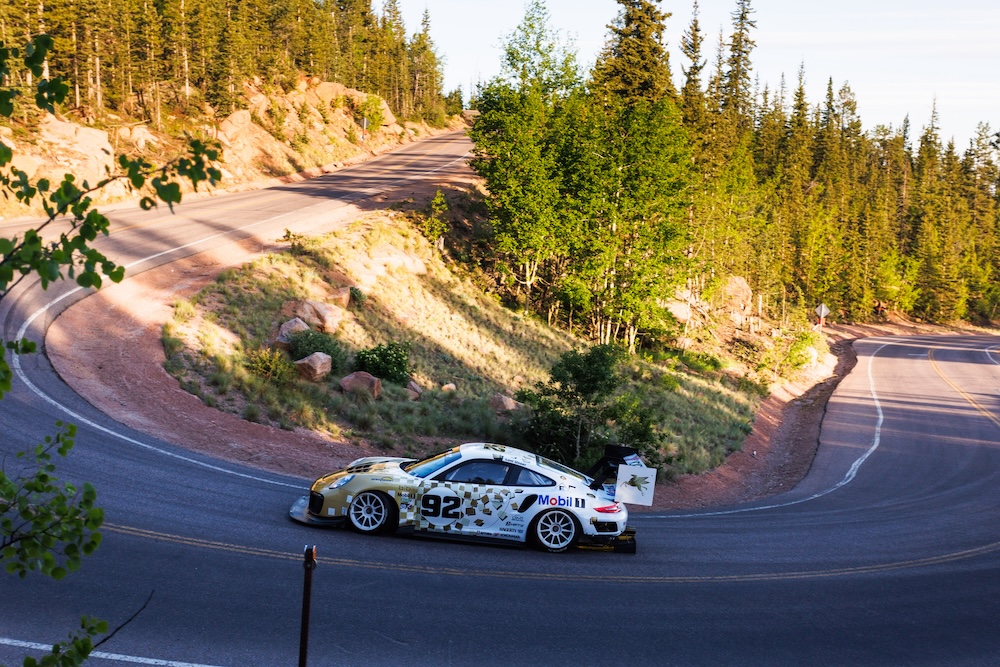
[(76, 69), (184, 55), (41, 31)]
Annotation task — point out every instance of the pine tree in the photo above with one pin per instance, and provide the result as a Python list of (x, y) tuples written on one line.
[(635, 64), (982, 178), (737, 89), (426, 79), (692, 99)]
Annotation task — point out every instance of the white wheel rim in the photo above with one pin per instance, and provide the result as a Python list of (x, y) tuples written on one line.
[(556, 530), (368, 511)]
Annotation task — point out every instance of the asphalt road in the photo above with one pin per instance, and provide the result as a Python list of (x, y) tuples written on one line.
[(886, 554)]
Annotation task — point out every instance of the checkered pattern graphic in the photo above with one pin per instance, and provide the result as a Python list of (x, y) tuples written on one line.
[(481, 507)]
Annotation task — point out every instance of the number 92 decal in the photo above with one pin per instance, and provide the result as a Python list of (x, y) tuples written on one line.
[(441, 506)]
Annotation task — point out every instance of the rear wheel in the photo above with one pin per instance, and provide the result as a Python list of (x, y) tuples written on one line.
[(555, 530), (372, 512)]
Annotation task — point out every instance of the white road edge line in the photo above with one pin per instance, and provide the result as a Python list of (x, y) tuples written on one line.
[(848, 478), (16, 363), (102, 655)]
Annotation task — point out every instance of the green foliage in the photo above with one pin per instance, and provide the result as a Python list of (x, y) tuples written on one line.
[(371, 108), (576, 412), (698, 362), (357, 296), (46, 526), (453, 102), (271, 365), (604, 200), (434, 227), (799, 355), (634, 66), (390, 362), (74, 651), (304, 343)]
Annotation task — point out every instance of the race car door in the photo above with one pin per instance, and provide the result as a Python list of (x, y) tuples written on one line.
[(468, 499)]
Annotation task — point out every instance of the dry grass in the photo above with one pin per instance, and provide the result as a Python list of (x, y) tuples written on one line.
[(457, 334)]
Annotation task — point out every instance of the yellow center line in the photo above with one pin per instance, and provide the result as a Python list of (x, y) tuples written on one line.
[(555, 576), (983, 411)]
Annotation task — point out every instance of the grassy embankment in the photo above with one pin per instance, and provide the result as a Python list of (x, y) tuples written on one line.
[(457, 334)]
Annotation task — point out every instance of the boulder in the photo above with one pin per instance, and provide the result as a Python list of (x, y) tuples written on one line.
[(414, 390), (286, 330), (341, 297), (449, 388), (315, 367), (360, 381), (322, 316), (504, 403)]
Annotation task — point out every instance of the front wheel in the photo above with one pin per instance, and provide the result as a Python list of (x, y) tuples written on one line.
[(555, 530), (372, 512)]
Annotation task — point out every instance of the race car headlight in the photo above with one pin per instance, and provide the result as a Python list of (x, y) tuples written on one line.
[(340, 482), (609, 509)]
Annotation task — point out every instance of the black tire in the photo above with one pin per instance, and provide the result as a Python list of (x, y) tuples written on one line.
[(373, 512), (555, 530)]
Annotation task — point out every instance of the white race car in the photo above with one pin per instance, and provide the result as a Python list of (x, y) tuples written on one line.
[(476, 491)]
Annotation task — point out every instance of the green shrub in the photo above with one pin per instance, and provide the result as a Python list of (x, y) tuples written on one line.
[(303, 343), (271, 365), (357, 296), (390, 362), (371, 109), (798, 352), (251, 413), (434, 226)]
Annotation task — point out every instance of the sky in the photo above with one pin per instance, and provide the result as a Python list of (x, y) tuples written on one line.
[(899, 57)]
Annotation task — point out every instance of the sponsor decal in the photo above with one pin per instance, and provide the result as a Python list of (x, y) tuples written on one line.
[(441, 506), (561, 501)]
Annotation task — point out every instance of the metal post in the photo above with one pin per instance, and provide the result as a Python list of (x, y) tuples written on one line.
[(309, 564)]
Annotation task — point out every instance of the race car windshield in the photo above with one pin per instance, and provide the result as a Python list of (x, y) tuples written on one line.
[(433, 464), (558, 467)]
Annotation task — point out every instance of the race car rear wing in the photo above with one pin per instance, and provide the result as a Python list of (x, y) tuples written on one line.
[(614, 456)]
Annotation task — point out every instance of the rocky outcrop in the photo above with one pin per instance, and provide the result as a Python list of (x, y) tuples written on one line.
[(320, 316), (62, 147)]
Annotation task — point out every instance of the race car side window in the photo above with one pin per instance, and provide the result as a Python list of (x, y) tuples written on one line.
[(477, 472), (524, 477)]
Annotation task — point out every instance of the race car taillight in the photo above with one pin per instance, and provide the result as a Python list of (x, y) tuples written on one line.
[(609, 509)]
